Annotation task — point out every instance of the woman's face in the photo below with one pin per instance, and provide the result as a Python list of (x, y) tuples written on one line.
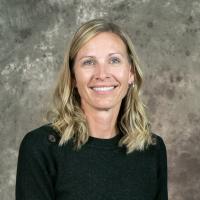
[(102, 72)]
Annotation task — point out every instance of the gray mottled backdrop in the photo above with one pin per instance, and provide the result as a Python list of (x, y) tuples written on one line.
[(166, 33)]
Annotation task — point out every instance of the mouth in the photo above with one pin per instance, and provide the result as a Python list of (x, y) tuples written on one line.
[(103, 89)]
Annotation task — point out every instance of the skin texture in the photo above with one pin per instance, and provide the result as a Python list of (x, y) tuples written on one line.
[(102, 62)]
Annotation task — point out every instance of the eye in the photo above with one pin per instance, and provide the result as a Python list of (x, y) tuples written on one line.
[(89, 62), (114, 60)]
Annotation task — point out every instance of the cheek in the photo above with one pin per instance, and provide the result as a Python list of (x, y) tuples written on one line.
[(81, 79), (80, 86), (123, 76)]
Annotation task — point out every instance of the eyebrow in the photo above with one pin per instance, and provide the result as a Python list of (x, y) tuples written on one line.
[(86, 57), (110, 54)]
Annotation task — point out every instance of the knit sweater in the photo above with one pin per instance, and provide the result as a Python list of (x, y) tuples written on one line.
[(101, 170)]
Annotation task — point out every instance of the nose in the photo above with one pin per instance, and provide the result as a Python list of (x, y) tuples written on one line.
[(102, 71)]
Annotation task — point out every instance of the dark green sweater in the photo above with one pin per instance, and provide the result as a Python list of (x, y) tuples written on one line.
[(99, 171)]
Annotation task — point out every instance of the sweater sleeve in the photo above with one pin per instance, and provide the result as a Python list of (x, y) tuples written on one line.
[(162, 193), (34, 178)]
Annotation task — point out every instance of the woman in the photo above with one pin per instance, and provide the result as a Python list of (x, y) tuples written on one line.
[(99, 144)]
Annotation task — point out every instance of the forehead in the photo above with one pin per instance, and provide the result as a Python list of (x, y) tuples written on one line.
[(105, 42)]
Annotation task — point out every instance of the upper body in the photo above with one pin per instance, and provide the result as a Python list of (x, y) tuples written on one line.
[(96, 105), (100, 170)]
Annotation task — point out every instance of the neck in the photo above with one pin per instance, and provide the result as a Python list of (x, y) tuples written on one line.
[(102, 123)]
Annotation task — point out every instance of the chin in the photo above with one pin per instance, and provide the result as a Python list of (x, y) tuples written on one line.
[(104, 106)]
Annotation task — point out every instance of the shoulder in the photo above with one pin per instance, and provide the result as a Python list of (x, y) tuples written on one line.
[(39, 138), (159, 142), (37, 155), (160, 149)]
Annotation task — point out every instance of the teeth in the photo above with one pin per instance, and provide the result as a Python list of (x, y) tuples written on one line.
[(103, 88)]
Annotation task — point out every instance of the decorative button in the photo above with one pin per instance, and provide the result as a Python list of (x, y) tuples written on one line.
[(52, 138)]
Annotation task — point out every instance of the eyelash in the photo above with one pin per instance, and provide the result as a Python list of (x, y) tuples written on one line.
[(89, 62), (113, 60)]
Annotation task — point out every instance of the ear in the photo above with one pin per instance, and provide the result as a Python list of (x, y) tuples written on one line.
[(131, 75)]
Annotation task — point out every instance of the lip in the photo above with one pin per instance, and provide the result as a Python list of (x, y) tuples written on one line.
[(103, 91)]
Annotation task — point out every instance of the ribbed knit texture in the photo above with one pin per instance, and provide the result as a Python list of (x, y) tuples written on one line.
[(99, 171)]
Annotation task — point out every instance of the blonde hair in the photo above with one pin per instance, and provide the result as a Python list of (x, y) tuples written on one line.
[(68, 117)]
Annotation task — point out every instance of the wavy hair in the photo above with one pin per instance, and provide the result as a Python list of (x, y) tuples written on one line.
[(68, 118)]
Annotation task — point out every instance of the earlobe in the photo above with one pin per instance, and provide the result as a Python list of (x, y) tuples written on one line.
[(130, 82)]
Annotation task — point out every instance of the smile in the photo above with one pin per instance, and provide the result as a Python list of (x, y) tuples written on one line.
[(103, 88)]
